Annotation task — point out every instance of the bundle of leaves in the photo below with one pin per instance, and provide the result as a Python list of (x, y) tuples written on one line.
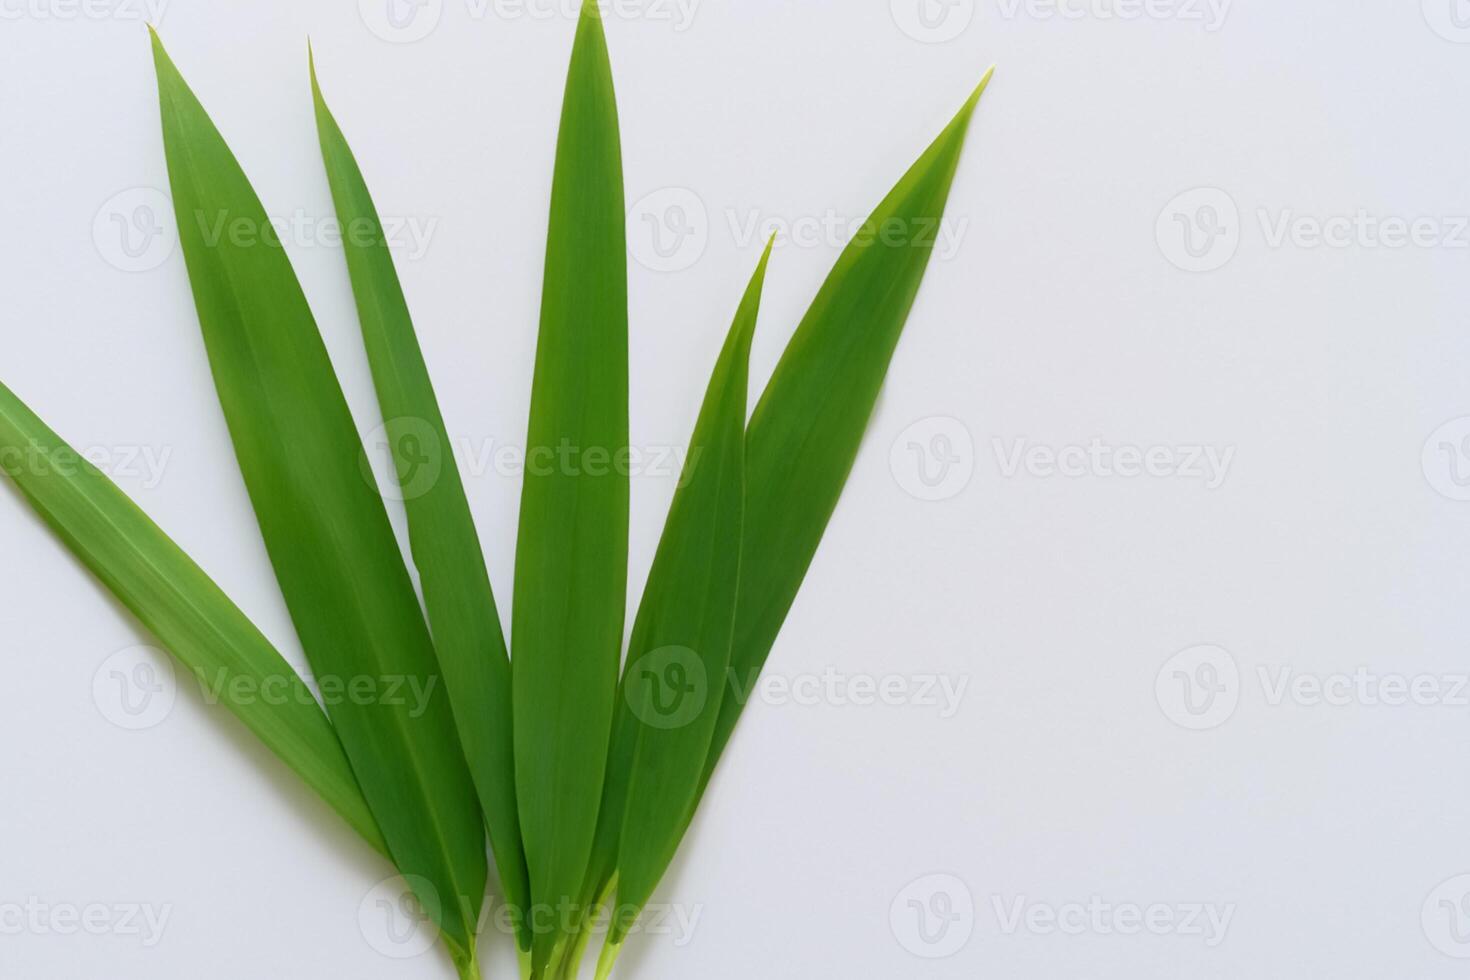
[(584, 766)]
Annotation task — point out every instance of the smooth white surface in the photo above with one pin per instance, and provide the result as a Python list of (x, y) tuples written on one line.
[(1072, 772)]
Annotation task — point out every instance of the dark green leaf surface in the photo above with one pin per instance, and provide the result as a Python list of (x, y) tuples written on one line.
[(572, 547), (809, 423), (680, 647), (446, 547), (325, 528), (179, 604)]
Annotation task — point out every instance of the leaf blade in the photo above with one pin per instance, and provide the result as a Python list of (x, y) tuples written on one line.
[(681, 637), (443, 539), (772, 567), (326, 530), (572, 543), (809, 423), (173, 597)]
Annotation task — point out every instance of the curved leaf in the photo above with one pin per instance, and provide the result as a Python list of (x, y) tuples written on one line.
[(325, 527)]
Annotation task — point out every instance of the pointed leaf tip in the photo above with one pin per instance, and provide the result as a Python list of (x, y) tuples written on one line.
[(984, 82), (316, 88), (974, 100)]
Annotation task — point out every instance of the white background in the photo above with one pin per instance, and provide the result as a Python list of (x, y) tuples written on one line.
[(1073, 770)]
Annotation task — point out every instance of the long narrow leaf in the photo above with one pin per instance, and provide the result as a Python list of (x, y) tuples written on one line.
[(446, 547), (800, 446), (809, 423), (325, 528), (572, 546), (195, 621), (680, 647)]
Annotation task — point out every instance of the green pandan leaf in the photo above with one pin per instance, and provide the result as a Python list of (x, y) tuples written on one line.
[(196, 622), (572, 548), (680, 647), (325, 527), (445, 544)]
